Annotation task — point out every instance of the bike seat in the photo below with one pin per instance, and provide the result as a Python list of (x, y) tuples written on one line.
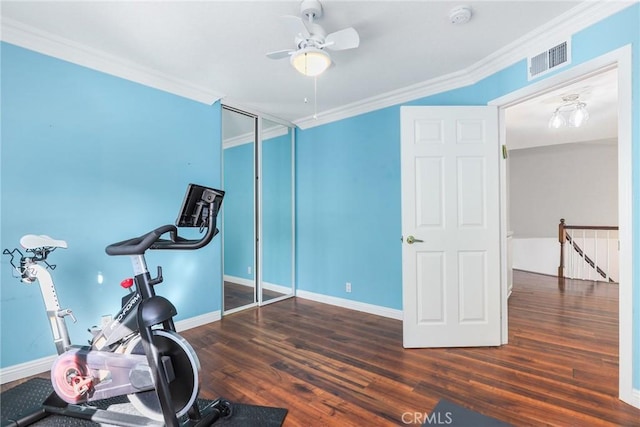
[(31, 241)]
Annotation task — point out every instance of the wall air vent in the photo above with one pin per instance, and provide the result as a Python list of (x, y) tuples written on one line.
[(548, 60)]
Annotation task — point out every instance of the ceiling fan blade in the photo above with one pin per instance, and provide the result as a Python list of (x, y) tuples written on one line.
[(296, 25), (343, 39), (279, 54)]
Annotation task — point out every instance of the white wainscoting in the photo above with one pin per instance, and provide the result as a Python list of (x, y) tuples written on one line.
[(537, 255), (542, 255)]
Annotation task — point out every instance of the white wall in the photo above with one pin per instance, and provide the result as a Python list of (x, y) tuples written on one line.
[(577, 182)]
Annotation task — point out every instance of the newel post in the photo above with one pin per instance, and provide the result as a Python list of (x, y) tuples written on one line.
[(562, 237)]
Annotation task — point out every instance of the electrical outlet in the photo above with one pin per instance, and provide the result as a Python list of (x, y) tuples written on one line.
[(348, 287), (249, 270)]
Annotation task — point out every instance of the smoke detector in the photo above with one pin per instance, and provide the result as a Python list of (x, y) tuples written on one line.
[(460, 15)]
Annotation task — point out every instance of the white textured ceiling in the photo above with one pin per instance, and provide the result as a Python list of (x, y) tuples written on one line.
[(218, 47), (527, 123)]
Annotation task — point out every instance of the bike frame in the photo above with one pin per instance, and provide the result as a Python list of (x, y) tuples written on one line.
[(141, 314), (33, 271), (123, 325)]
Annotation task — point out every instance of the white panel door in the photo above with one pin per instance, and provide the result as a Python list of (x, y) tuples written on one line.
[(451, 226)]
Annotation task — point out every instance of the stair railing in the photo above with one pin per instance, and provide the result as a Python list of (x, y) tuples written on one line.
[(582, 252)]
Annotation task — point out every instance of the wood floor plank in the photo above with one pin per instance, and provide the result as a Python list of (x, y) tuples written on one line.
[(331, 366)]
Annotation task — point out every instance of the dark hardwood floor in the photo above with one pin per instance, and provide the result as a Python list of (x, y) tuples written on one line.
[(236, 295), (332, 366)]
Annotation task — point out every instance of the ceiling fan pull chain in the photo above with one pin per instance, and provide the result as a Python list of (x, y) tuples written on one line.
[(315, 97)]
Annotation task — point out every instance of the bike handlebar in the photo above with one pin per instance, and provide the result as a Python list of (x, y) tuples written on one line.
[(152, 240), (138, 245), (199, 209)]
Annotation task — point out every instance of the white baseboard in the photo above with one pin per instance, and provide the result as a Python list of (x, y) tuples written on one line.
[(635, 398), (276, 288), (194, 322), (26, 369), (38, 366), (265, 285), (352, 305), (239, 280)]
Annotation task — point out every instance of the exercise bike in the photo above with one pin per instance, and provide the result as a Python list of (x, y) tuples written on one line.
[(137, 354)]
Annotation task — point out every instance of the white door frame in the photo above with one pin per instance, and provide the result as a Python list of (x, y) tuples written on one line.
[(622, 60)]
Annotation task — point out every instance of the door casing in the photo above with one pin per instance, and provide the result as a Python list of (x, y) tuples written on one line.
[(621, 59)]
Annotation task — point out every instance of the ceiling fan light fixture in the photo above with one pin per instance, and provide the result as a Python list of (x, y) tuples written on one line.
[(311, 61)]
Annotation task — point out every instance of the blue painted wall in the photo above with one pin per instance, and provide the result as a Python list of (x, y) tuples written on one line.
[(348, 209), (103, 139), (277, 215), (94, 159), (348, 183), (239, 222)]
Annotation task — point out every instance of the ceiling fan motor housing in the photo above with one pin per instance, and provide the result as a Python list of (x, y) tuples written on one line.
[(316, 39), (310, 9)]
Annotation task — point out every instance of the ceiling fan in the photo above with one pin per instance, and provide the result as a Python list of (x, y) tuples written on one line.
[(310, 57)]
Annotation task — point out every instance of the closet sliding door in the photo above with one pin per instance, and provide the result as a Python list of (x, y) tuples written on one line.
[(258, 221), (277, 219), (239, 144)]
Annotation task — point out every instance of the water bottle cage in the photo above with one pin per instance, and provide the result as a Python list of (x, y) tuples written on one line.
[(24, 271)]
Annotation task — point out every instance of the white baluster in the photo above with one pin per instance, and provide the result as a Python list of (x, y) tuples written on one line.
[(583, 253), (595, 256), (608, 257), (572, 253), (568, 256)]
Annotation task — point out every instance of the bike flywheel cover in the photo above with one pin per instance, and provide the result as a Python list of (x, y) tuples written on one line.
[(186, 366)]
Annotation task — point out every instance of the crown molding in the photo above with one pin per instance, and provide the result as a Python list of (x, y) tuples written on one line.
[(233, 104), (562, 27), (248, 137), (19, 34), (558, 29), (388, 99)]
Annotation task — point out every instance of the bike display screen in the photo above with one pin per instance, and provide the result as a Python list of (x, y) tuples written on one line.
[(195, 206)]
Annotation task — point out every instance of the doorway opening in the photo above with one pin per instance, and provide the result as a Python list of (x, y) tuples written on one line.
[(568, 173), (619, 63)]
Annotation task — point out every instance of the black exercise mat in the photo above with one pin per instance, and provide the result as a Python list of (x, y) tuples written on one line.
[(27, 397), (454, 415)]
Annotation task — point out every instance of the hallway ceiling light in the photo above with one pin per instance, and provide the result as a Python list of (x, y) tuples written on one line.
[(572, 112)]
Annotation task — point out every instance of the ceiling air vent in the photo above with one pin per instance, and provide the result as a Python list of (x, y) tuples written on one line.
[(546, 61)]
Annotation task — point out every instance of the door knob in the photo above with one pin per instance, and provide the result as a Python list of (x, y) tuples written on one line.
[(411, 240)]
